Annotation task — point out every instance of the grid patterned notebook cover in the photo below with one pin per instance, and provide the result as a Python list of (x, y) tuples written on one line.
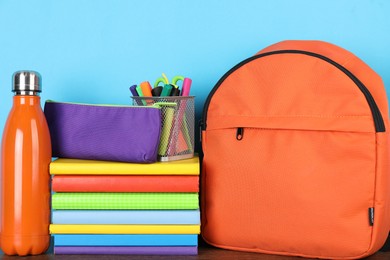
[(118, 200)]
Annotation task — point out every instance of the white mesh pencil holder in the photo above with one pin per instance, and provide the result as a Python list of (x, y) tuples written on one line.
[(178, 125)]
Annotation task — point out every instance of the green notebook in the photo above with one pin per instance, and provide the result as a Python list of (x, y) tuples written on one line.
[(125, 200)]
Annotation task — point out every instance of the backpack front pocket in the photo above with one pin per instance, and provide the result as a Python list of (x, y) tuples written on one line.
[(304, 192)]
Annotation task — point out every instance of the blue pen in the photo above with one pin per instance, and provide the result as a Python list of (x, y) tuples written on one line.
[(133, 90)]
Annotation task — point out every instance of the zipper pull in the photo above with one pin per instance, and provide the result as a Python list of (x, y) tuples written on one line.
[(240, 133)]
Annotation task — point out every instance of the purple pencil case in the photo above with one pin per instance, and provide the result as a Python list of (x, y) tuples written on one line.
[(104, 132)]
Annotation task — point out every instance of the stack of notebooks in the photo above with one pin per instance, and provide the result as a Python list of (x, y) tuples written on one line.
[(101, 207)]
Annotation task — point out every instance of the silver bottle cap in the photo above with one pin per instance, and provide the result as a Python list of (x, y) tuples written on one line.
[(26, 82)]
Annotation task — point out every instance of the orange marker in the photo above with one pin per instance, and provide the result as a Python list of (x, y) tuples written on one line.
[(147, 91)]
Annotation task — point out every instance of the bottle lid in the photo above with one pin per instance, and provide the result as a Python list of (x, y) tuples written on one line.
[(26, 82)]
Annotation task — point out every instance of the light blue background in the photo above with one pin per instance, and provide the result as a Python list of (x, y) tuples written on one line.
[(92, 51)]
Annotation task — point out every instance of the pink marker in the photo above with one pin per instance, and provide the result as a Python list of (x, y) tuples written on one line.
[(185, 90)]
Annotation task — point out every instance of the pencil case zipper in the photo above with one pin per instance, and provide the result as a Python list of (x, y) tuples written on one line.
[(155, 105)]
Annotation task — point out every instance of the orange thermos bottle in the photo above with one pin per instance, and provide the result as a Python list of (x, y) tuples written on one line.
[(25, 180)]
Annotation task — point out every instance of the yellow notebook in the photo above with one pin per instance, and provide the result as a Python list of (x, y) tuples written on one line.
[(91, 167), (124, 229)]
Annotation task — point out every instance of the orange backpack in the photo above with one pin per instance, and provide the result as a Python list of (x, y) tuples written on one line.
[(296, 155)]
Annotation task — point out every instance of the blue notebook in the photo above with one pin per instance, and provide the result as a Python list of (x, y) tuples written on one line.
[(125, 240), (190, 217)]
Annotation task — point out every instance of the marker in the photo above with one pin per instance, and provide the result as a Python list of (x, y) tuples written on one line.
[(168, 114), (166, 90), (140, 94), (180, 129), (139, 91), (186, 87), (147, 92), (146, 89), (175, 91), (133, 90), (156, 91)]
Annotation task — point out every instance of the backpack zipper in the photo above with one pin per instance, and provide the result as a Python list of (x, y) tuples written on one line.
[(376, 114), (240, 133)]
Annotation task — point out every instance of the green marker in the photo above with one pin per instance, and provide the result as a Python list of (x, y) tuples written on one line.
[(166, 92), (139, 91)]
